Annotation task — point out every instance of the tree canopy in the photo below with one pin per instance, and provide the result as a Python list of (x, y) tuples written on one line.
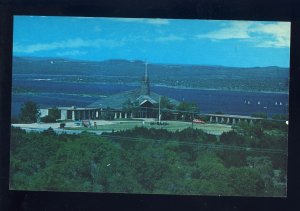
[(29, 112), (53, 115), (147, 161)]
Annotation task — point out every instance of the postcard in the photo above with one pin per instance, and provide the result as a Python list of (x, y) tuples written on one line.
[(150, 106)]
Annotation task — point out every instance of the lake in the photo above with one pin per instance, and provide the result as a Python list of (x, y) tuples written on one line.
[(50, 91)]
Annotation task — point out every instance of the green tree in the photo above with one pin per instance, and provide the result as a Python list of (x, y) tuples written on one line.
[(271, 125), (166, 106), (245, 181), (166, 103), (135, 164), (260, 115), (53, 115), (29, 112), (208, 176), (151, 164), (128, 106), (232, 138), (185, 106), (248, 130), (280, 117), (263, 165), (187, 110)]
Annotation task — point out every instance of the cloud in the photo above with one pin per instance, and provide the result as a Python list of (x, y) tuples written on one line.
[(169, 38), (276, 35), (71, 43), (82, 17), (86, 43), (71, 53), (279, 33), (156, 21), (32, 16), (236, 30)]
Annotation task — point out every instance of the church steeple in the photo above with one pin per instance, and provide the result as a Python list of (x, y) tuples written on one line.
[(145, 88), (146, 71)]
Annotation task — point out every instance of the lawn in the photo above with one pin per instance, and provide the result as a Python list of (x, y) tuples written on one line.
[(216, 129)]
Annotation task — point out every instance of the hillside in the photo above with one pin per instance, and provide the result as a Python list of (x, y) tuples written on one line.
[(271, 78)]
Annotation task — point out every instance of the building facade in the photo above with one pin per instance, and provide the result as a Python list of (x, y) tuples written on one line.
[(137, 103)]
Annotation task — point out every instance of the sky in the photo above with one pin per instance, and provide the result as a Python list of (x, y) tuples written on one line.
[(167, 41)]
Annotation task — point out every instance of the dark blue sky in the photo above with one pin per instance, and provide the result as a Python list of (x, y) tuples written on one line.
[(227, 43)]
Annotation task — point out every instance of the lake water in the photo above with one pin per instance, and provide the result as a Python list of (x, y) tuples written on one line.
[(51, 91)]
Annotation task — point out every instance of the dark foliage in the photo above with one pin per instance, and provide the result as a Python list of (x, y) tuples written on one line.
[(29, 112), (53, 116), (137, 161)]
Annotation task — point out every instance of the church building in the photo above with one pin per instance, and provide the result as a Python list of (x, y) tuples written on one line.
[(137, 103)]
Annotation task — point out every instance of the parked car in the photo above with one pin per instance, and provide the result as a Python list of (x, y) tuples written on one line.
[(77, 123), (198, 121)]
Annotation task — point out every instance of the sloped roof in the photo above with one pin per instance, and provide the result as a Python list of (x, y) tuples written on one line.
[(143, 98), (116, 101)]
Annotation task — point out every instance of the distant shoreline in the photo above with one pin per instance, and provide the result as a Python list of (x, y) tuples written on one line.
[(230, 90), (166, 86)]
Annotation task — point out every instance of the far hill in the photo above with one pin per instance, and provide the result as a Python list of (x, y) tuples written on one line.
[(271, 78)]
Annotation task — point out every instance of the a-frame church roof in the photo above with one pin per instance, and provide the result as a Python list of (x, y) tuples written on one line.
[(117, 101), (136, 96)]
